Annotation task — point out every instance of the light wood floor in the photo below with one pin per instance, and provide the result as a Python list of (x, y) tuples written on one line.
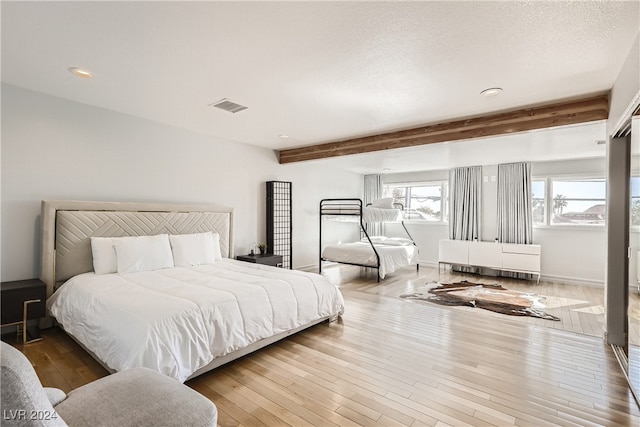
[(394, 362), (580, 308)]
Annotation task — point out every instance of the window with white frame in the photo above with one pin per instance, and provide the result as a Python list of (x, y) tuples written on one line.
[(422, 201), (539, 201), (580, 201), (635, 201)]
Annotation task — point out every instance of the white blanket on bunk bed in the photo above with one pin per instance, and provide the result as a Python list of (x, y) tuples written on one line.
[(392, 255), (369, 214), (177, 320)]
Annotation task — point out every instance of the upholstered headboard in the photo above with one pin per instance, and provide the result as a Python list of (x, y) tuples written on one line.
[(67, 227)]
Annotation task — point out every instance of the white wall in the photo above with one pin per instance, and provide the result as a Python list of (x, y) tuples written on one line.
[(58, 149), (569, 255)]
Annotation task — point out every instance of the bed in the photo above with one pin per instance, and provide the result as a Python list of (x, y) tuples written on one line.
[(385, 254), (180, 320)]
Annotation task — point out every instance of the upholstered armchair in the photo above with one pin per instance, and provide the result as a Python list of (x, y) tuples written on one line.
[(136, 397)]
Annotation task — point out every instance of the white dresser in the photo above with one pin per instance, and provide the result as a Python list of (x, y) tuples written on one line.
[(498, 256)]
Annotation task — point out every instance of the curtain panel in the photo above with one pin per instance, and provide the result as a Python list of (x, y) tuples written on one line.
[(373, 191), (515, 217), (465, 193)]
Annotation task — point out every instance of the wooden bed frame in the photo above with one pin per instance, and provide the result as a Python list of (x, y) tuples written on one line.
[(67, 228)]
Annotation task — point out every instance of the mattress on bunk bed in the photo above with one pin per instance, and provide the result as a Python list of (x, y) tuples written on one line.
[(369, 214), (392, 256)]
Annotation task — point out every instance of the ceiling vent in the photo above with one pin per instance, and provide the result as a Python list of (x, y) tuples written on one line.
[(226, 105), (600, 142)]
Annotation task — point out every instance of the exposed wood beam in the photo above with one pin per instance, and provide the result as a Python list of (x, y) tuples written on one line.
[(539, 117)]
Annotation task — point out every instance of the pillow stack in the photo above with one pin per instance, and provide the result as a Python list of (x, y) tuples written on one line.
[(384, 203), (133, 254)]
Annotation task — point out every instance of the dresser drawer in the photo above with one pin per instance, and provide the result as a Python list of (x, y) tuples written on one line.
[(515, 248), (521, 262)]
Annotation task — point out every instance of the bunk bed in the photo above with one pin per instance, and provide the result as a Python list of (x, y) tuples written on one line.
[(385, 254)]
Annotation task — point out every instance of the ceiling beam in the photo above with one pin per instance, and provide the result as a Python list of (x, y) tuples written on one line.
[(539, 117)]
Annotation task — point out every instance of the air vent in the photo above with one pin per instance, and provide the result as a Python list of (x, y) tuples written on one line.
[(600, 142), (226, 105)]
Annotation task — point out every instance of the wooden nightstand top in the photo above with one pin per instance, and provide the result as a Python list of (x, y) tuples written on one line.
[(22, 284)]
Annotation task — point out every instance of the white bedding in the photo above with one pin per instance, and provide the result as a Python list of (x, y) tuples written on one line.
[(178, 320), (392, 257), (369, 214)]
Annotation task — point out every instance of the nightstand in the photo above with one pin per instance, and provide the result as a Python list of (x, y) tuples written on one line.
[(21, 301), (268, 259)]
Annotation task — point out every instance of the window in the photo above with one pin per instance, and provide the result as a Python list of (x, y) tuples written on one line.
[(635, 201), (421, 201), (538, 201), (578, 201)]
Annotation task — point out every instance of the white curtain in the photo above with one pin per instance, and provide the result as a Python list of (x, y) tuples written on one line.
[(515, 218), (373, 191), (465, 192)]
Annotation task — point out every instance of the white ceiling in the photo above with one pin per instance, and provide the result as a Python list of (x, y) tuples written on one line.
[(326, 71)]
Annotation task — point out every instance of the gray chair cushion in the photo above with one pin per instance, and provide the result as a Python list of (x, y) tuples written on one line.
[(55, 395), (137, 397), (24, 402)]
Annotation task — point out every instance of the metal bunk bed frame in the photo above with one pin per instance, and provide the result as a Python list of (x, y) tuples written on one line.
[(351, 207)]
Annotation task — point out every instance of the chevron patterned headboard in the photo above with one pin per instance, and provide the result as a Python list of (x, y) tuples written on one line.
[(67, 227)]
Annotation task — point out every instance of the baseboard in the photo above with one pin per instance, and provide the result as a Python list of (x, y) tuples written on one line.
[(428, 264), (573, 281)]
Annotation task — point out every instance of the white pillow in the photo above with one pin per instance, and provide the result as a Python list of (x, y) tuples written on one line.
[(104, 255), (195, 249), (143, 253), (385, 203)]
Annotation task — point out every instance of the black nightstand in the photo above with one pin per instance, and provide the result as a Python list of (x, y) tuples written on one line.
[(21, 301), (268, 259)]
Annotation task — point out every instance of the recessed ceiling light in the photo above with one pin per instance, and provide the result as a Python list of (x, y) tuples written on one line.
[(283, 136), (386, 170), (85, 74), (492, 91), (600, 142)]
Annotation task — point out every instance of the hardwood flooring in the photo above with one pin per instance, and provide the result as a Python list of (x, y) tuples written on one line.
[(394, 362)]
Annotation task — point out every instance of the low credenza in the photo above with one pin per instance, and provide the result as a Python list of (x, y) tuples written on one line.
[(513, 257)]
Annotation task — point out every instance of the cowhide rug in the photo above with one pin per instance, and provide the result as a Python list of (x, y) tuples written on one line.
[(490, 297)]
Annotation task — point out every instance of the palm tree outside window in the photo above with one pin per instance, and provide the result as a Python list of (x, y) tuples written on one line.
[(538, 201), (578, 201)]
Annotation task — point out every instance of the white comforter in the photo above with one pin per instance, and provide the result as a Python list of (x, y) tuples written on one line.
[(392, 256), (178, 320)]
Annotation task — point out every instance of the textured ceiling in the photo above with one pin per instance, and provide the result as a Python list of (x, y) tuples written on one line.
[(316, 71)]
